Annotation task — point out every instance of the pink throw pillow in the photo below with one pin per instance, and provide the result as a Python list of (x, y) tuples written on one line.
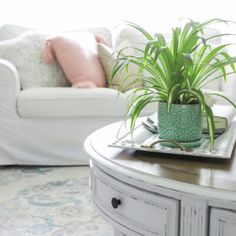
[(77, 55)]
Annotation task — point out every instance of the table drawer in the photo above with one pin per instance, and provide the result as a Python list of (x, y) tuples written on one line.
[(222, 222), (141, 211)]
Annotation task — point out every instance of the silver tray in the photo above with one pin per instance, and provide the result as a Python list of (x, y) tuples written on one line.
[(141, 138)]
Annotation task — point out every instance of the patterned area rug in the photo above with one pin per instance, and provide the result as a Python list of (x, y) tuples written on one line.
[(46, 201)]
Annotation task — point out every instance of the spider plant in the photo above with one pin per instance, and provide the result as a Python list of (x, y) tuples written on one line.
[(176, 72)]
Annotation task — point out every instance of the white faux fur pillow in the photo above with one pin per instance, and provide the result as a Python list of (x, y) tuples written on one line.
[(25, 53)]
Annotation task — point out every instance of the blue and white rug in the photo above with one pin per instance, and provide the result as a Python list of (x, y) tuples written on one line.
[(47, 201)]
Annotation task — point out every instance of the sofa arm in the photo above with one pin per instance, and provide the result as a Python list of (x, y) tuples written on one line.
[(9, 88)]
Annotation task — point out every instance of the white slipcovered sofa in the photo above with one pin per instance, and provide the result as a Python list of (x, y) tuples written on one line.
[(48, 125)]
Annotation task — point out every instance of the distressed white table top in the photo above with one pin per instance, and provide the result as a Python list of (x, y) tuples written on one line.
[(210, 177)]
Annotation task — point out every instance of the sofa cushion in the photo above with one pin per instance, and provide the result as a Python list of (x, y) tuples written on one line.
[(25, 53), (70, 102)]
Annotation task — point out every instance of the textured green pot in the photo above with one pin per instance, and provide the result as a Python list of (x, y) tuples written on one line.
[(183, 123)]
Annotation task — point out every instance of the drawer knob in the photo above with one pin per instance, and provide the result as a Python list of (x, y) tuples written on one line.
[(115, 202)]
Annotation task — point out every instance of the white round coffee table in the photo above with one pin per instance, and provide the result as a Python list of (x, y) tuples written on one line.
[(141, 193)]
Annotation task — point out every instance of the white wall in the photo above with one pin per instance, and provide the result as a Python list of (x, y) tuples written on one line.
[(154, 14)]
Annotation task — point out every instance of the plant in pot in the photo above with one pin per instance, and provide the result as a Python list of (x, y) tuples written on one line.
[(175, 74)]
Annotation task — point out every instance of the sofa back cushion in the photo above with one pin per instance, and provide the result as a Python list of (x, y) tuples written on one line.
[(9, 31), (136, 39), (133, 36)]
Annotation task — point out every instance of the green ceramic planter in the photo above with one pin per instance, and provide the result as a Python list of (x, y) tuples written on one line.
[(183, 123)]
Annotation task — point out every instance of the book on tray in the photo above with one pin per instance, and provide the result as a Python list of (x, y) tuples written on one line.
[(223, 116)]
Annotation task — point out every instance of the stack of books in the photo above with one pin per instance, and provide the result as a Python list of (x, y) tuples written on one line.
[(223, 116)]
